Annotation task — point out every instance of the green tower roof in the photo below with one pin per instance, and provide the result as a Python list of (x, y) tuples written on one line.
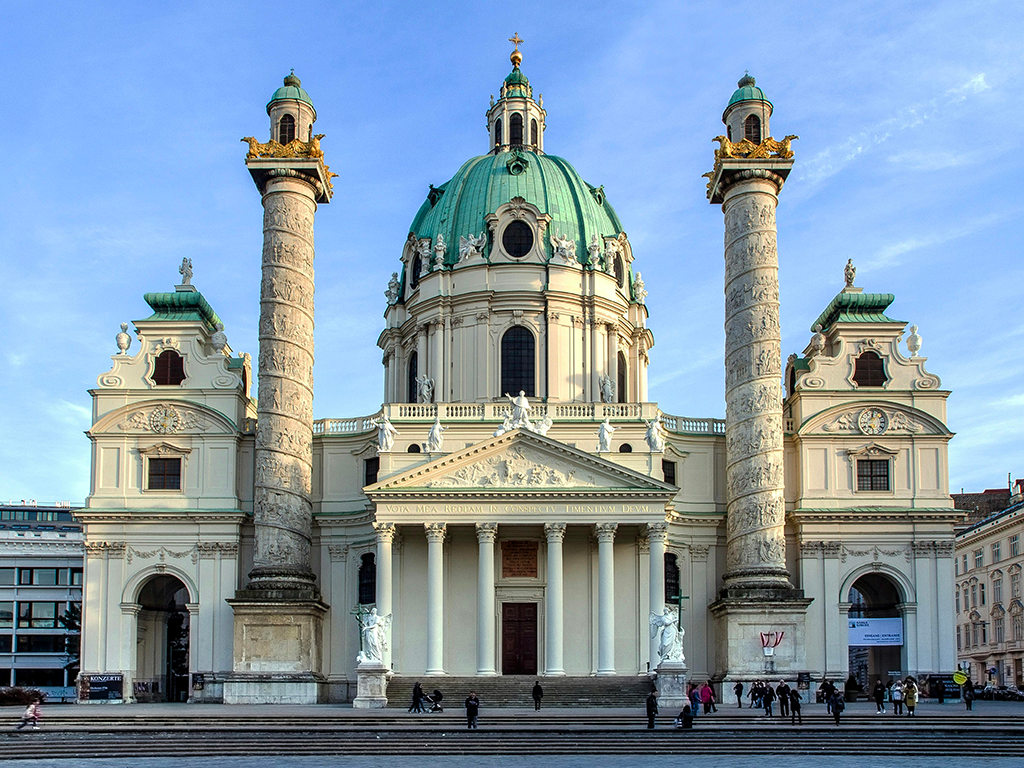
[(748, 91), (849, 307), (458, 207), (292, 89), (181, 305), (517, 84)]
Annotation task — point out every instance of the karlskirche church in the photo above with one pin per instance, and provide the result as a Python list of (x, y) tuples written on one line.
[(517, 509)]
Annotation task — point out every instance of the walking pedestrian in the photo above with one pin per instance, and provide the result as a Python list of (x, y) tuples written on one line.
[(652, 709), (753, 695), (896, 692), (794, 706), (707, 698), (417, 699), (694, 696), (33, 713), (767, 696), (969, 695), (738, 690), (940, 690), (878, 693), (783, 693), (472, 710), (538, 694), (435, 700), (828, 690), (837, 704), (910, 694)]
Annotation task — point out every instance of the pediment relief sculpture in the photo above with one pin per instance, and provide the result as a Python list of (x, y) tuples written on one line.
[(164, 419), (873, 420), (515, 469)]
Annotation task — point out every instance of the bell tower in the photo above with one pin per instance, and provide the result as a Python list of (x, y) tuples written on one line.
[(757, 597), (278, 616)]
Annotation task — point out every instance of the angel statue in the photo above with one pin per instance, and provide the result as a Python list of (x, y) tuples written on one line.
[(607, 389), (655, 435), (425, 387), (471, 246), (670, 647), (374, 630), (385, 435)]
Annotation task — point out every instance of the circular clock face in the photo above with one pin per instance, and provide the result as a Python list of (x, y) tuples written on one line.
[(163, 420), (873, 421)]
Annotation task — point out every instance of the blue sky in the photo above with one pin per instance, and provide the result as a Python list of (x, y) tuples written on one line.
[(122, 156)]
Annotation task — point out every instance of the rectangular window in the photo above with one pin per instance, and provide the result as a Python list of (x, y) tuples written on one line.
[(668, 471), (1014, 585), (1015, 545), (965, 564), (5, 644), (974, 634), (41, 644), (995, 551), (1018, 627), (371, 467), (958, 601), (979, 558), (872, 474), (956, 566), (982, 594), (34, 678), (7, 577), (974, 595), (7, 614), (998, 629), (39, 615), (997, 591), (76, 577), (958, 646), (164, 475), (984, 635)]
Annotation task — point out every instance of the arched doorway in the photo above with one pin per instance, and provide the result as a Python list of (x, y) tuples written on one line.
[(163, 641), (875, 630)]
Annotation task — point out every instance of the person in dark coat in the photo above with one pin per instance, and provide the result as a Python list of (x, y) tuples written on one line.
[(969, 695), (685, 719), (738, 690), (794, 706), (878, 694), (837, 703), (652, 709), (782, 691), (767, 696), (940, 690), (472, 710), (435, 699), (538, 694), (827, 689), (417, 699)]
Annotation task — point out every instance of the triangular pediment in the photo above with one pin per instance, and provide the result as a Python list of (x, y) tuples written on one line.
[(520, 461)]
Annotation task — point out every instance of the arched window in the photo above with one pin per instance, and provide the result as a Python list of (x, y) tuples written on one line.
[(169, 369), (671, 578), (515, 126), (625, 448), (413, 372), (286, 129), (367, 579), (869, 371), (517, 362), (533, 132), (620, 271), (623, 375), (497, 133), (792, 381), (752, 129), (417, 267)]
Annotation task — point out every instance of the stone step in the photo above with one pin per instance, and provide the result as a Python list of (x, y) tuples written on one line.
[(509, 691)]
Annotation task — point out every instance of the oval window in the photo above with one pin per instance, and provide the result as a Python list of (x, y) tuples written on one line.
[(517, 239)]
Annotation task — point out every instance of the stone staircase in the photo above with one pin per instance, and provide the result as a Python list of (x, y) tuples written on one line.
[(516, 691)]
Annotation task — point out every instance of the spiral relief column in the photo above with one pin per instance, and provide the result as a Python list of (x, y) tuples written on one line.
[(278, 616), (757, 595)]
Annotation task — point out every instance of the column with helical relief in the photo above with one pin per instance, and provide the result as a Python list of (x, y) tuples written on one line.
[(282, 509), (755, 537)]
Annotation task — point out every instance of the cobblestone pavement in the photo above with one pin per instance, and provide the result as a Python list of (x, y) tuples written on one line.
[(563, 761)]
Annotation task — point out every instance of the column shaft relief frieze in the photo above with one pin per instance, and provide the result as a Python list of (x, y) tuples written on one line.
[(755, 546), (284, 437)]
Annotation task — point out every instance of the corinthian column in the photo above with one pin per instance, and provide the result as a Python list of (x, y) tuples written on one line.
[(755, 539), (485, 533), (435, 597), (606, 598), (555, 608)]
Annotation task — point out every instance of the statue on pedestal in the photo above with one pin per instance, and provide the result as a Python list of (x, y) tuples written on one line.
[(425, 387), (607, 389), (520, 411), (604, 437), (385, 435), (373, 630), (655, 436), (670, 647), (435, 438)]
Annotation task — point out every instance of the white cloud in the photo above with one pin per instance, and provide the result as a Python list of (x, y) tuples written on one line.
[(889, 256)]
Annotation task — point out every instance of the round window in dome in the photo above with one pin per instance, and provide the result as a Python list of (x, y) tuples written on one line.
[(517, 239)]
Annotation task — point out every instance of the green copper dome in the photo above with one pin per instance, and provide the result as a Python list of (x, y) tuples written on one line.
[(457, 208), (748, 91), (517, 83), (291, 90)]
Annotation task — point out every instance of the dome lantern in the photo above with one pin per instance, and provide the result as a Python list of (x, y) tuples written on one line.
[(291, 111), (748, 112), (515, 120)]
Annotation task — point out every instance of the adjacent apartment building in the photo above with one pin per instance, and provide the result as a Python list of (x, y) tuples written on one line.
[(989, 608), (41, 556)]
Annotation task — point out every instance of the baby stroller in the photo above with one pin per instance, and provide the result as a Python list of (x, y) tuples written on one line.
[(435, 701)]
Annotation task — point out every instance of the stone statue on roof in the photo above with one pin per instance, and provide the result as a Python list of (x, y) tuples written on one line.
[(850, 273), (185, 270)]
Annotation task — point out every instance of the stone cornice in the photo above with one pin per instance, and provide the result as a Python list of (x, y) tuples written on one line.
[(75, 547), (165, 515), (875, 514)]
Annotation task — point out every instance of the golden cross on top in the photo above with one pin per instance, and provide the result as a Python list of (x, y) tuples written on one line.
[(515, 40)]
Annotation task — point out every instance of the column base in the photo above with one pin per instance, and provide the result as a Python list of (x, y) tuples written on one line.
[(741, 615), (371, 690), (606, 673), (278, 650), (670, 680)]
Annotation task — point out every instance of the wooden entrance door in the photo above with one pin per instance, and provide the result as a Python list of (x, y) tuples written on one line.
[(519, 638)]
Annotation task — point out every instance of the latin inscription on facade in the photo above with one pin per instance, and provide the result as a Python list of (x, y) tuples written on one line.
[(519, 559)]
